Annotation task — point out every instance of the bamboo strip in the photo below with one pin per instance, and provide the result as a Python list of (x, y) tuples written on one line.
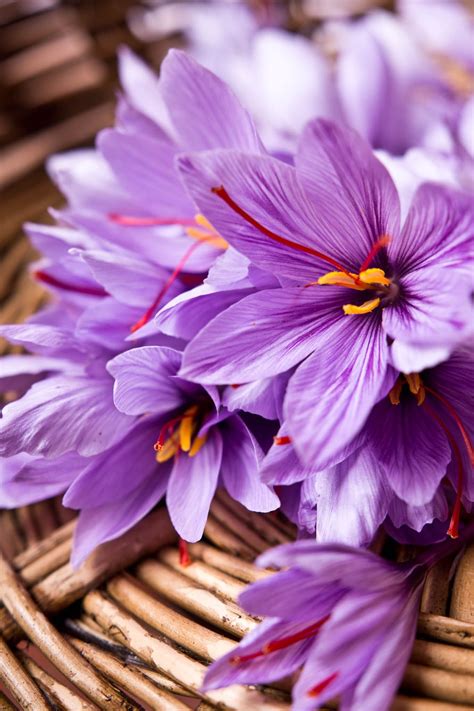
[(219, 583), (35, 552), (436, 588), (412, 703), (439, 684), (229, 564), (197, 600), (261, 523), (443, 656), (17, 682), (223, 538), (199, 640), (231, 520), (446, 629), (49, 641), (48, 563), (66, 698), (66, 585), (45, 518), (167, 660), (10, 542), (128, 678), (28, 524), (462, 599)]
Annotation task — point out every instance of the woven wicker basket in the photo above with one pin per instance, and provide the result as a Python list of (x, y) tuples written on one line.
[(132, 628)]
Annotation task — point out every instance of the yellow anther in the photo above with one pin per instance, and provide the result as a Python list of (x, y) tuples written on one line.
[(395, 392), (186, 428), (168, 450), (206, 233), (197, 445), (350, 280), (365, 308), (414, 382), (374, 276)]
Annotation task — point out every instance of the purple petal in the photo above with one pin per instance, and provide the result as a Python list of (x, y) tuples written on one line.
[(144, 380), (355, 197), (104, 523), (62, 414), (262, 397), (410, 447), (39, 479), (192, 486), (115, 473), (333, 391), (241, 458), (263, 334), (204, 111), (352, 500)]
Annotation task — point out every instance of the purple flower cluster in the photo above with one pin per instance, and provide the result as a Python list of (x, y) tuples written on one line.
[(275, 309)]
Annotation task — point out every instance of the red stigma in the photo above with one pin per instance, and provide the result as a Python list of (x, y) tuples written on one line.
[(376, 248), (46, 278), (132, 221), (319, 688), (184, 557), (281, 643), (224, 195), (453, 528), (169, 282), (166, 431), (282, 440)]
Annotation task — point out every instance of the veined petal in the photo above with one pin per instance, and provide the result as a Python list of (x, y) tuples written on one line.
[(144, 380), (263, 334), (204, 111), (192, 486), (356, 199), (331, 394)]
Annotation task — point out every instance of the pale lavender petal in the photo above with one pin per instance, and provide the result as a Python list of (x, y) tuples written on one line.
[(204, 111), (192, 486), (333, 391), (144, 380), (39, 479), (61, 414), (241, 456)]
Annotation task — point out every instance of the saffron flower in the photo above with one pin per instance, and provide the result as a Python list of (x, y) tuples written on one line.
[(358, 292), (414, 440), (183, 444), (345, 615)]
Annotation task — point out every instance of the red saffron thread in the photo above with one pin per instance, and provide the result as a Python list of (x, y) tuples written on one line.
[(282, 643), (319, 688), (456, 418), (453, 529), (224, 195), (282, 440), (46, 278), (150, 312), (379, 245), (184, 557)]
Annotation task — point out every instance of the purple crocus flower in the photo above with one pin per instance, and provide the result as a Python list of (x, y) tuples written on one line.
[(184, 444), (344, 615), (417, 435), (357, 291)]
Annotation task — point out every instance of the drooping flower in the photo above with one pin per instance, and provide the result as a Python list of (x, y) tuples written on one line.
[(357, 291), (414, 440), (345, 615), (183, 443)]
